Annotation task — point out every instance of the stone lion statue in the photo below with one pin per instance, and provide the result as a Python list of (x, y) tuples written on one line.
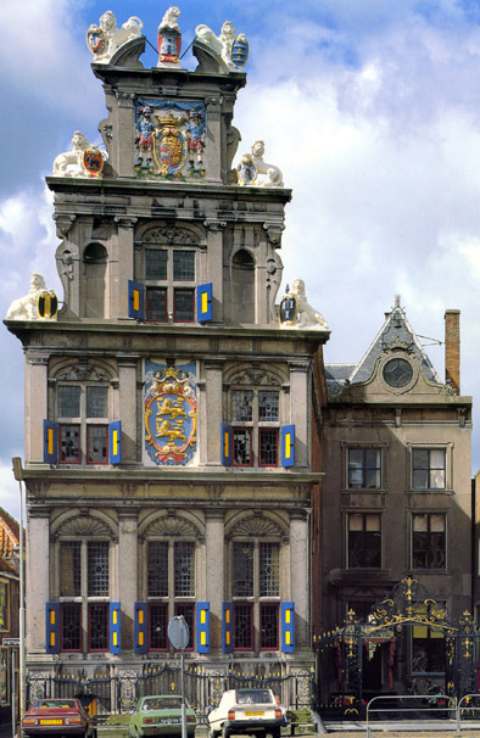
[(268, 175), (25, 308), (106, 38), (70, 163), (305, 316), (221, 45), (170, 18)]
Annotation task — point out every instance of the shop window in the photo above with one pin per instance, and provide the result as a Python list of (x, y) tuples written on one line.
[(364, 540)]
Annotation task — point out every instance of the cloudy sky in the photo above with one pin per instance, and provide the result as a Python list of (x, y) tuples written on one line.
[(370, 107)]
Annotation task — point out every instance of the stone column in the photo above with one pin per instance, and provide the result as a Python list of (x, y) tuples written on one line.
[(123, 136), (127, 575), (212, 412), (213, 270), (122, 268), (127, 410), (299, 575), (36, 405), (215, 574), (37, 581), (300, 411), (213, 164)]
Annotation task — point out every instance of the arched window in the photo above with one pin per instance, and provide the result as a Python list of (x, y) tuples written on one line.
[(167, 264), (84, 583), (243, 286), (95, 263), (170, 556), (83, 408), (255, 556)]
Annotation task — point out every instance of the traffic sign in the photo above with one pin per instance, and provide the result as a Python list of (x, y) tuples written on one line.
[(178, 632)]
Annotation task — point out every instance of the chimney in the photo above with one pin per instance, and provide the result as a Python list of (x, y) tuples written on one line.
[(452, 349)]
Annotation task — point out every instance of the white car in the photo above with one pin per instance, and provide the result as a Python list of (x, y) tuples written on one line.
[(247, 711)]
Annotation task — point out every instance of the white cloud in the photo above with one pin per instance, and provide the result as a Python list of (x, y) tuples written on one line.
[(9, 490)]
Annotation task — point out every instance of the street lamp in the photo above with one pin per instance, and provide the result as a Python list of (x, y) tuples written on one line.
[(18, 474)]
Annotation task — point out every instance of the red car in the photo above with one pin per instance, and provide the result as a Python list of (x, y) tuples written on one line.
[(57, 717)]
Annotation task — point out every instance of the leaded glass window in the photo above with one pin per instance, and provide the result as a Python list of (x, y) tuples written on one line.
[(70, 569), (158, 569), (98, 626), (268, 447), (156, 263), (243, 626), (268, 405), (242, 569), (158, 624), (97, 444), (97, 567), (242, 447), (68, 401), (429, 468), (71, 621), (242, 405), (269, 569), (187, 609), (184, 266), (156, 304), (183, 305), (184, 568), (70, 452), (269, 626), (97, 401)]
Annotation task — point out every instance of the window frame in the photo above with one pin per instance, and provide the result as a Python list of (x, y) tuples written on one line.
[(446, 448), (364, 448), (364, 531), (83, 421), (255, 425), (169, 283), (171, 600), (256, 600), (84, 600), (429, 515)]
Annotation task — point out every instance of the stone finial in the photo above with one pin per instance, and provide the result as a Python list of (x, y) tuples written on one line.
[(39, 303), (296, 311), (228, 49), (83, 160), (169, 39), (254, 171)]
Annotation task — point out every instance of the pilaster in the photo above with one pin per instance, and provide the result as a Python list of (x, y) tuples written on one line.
[(215, 573), (300, 574), (38, 581), (36, 410), (127, 574)]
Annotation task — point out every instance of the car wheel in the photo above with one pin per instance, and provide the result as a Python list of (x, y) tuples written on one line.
[(226, 733)]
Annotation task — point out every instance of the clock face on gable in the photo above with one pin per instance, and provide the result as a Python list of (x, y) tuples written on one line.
[(397, 373)]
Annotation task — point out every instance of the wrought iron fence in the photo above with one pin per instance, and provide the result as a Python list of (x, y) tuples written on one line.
[(203, 689)]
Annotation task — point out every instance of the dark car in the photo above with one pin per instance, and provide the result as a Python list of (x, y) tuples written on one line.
[(57, 717)]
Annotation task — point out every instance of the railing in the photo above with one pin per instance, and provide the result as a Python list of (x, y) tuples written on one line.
[(461, 709), (449, 706)]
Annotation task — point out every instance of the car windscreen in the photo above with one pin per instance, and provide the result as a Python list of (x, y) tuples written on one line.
[(57, 704), (253, 697), (164, 703)]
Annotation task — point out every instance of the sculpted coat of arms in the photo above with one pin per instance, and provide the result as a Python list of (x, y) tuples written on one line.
[(170, 139), (170, 413)]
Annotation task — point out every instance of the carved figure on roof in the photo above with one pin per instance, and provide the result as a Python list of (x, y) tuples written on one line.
[(246, 172), (105, 39), (83, 160), (268, 175), (39, 303), (169, 39), (296, 311), (230, 50)]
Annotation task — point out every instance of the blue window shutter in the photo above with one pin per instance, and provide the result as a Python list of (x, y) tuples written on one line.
[(202, 627), (115, 629), (115, 442), (287, 627), (205, 302), (52, 627), (50, 442), (287, 445), (141, 627), (226, 444), (136, 300), (227, 627)]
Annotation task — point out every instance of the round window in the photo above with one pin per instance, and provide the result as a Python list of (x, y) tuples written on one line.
[(397, 373)]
